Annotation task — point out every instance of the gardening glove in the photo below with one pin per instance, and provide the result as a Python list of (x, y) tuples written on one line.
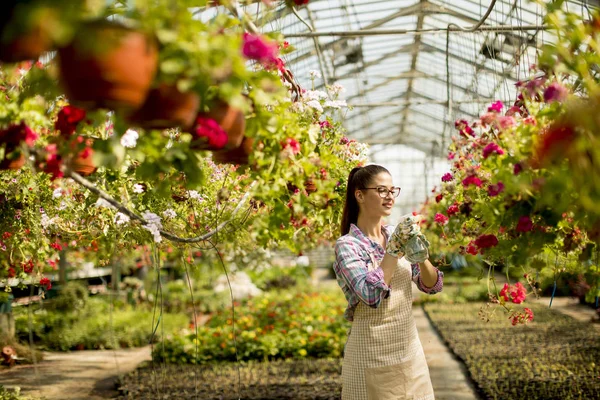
[(407, 240)]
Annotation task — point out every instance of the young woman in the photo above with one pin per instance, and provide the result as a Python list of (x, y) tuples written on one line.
[(383, 357)]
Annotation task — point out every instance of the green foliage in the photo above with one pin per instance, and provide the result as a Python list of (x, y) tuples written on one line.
[(96, 326), (277, 325), (14, 394)]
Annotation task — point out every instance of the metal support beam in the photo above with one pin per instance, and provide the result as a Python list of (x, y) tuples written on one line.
[(428, 31)]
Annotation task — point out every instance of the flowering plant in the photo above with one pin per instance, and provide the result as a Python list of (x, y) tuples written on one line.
[(523, 182)]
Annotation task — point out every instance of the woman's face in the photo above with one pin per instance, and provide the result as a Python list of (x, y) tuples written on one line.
[(371, 202)]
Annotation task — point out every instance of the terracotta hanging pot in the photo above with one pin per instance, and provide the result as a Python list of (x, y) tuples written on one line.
[(108, 65), (231, 120), (167, 107), (84, 166), (28, 39), (237, 156), (13, 162)]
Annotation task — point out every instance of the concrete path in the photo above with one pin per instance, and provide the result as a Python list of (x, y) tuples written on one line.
[(448, 375), (79, 375)]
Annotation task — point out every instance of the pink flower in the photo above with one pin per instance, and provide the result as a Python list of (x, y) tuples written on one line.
[(441, 219), (529, 121), (496, 107), (46, 282), (210, 129), (255, 47), (488, 118), (514, 110), (506, 122), (68, 118), (291, 144), (515, 293), (325, 125), (451, 155), (447, 177), (525, 224), (492, 148), (344, 140), (555, 92), (495, 190), (486, 241), (453, 209), (30, 136), (472, 180)]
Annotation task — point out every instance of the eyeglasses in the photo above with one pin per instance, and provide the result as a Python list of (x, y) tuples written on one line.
[(384, 192)]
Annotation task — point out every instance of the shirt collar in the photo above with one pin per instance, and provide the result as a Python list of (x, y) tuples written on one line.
[(357, 233)]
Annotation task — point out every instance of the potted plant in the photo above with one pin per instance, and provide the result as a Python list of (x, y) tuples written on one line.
[(108, 65)]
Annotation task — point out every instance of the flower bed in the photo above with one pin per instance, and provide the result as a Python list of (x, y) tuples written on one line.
[(297, 379), (277, 325), (553, 357)]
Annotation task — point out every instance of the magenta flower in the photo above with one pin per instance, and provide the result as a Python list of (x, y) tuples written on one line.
[(472, 180), (441, 219), (495, 190), (453, 209), (255, 47), (555, 92), (492, 148), (496, 107), (447, 177), (525, 224), (451, 155), (292, 144), (486, 241)]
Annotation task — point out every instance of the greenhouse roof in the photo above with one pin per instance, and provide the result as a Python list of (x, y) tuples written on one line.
[(407, 78)]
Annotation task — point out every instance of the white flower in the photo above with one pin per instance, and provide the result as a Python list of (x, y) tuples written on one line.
[(195, 195), (314, 74), (335, 103), (121, 218), (103, 203), (57, 193), (154, 225), (336, 89), (315, 104), (62, 206), (169, 213), (47, 221), (137, 188), (129, 138), (315, 94)]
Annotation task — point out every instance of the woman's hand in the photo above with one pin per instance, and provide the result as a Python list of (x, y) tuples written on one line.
[(407, 240)]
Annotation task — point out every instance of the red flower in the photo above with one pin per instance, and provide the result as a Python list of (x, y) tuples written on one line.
[(517, 169), (439, 198), (453, 209), (56, 246), (255, 47), (11, 272), (515, 293), (27, 266), (292, 144), (301, 2), (441, 219), (472, 180), (555, 140), (525, 224), (522, 318), (16, 133), (53, 162), (68, 118), (472, 249), (46, 282), (210, 129), (492, 148), (486, 241), (447, 177), (495, 190), (6, 235)]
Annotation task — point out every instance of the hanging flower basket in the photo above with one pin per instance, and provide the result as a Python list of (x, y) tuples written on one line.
[(12, 162), (108, 66), (83, 164), (238, 156), (167, 107), (23, 40)]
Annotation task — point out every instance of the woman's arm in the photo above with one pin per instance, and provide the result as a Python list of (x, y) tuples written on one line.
[(429, 274), (388, 265)]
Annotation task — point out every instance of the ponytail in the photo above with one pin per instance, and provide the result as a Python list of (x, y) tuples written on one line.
[(359, 178)]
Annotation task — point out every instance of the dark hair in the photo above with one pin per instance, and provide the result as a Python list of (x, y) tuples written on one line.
[(359, 178)]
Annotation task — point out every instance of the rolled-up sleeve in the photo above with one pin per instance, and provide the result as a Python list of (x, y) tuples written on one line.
[(416, 277), (368, 286)]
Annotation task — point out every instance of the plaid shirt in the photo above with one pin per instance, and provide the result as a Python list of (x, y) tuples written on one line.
[(354, 252)]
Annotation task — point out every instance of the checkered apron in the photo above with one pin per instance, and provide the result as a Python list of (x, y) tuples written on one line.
[(383, 357)]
